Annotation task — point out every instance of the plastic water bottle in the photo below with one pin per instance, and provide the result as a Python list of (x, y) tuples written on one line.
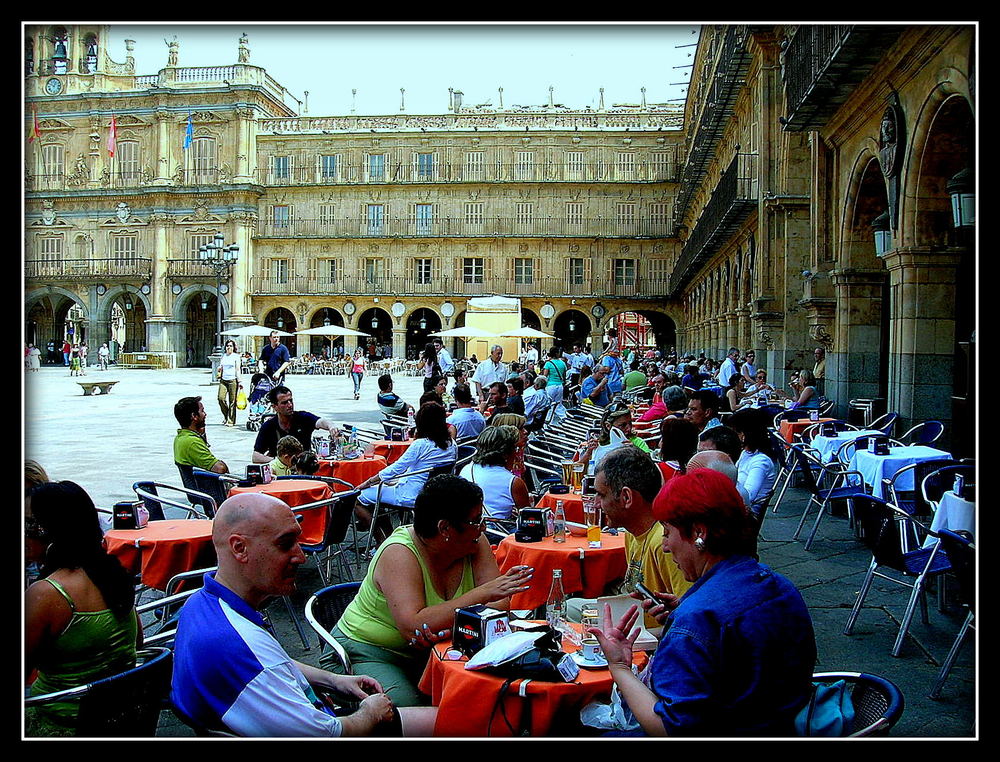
[(354, 441), (559, 523), (555, 604)]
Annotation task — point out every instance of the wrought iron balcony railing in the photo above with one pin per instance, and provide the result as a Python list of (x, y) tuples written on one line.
[(355, 227), (734, 198), (88, 269)]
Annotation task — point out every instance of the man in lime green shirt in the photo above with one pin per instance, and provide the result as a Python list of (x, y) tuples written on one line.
[(635, 377), (190, 445)]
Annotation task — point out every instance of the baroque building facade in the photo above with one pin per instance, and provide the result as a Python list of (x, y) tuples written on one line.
[(744, 218)]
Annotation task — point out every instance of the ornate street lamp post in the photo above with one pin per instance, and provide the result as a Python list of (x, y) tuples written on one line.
[(220, 258)]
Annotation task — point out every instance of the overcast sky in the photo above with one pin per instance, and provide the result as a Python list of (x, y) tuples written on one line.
[(329, 60)]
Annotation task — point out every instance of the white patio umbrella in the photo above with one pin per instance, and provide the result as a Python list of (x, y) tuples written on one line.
[(254, 330), (330, 330), (465, 332), (526, 332)]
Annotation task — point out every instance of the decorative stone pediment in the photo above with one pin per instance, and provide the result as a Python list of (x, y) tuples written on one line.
[(123, 216), (203, 117), (50, 220), (127, 120), (201, 216), (54, 124)]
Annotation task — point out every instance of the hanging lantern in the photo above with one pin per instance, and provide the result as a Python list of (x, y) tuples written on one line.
[(572, 325), (962, 189), (423, 323), (204, 300), (281, 322), (374, 321), (128, 301), (883, 233), (326, 317)]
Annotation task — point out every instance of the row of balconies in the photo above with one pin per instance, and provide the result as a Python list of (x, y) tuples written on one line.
[(361, 174), (391, 227), (408, 285), (88, 270)]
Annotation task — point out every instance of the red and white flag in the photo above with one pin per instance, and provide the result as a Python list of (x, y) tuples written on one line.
[(35, 132), (112, 137)]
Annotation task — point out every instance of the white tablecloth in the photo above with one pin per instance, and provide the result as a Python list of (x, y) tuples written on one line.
[(875, 468), (954, 513), (828, 446)]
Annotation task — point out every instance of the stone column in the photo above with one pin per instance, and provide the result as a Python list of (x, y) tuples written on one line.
[(922, 284), (245, 146), (853, 360), (744, 337), (240, 308), (399, 342), (164, 121), (157, 330), (732, 331)]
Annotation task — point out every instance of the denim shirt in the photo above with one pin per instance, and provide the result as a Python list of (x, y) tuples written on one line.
[(737, 655)]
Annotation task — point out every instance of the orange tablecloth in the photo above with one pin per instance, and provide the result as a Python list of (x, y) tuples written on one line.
[(388, 449), (572, 504), (297, 492), (163, 548), (465, 698), (789, 429), (353, 471), (589, 575)]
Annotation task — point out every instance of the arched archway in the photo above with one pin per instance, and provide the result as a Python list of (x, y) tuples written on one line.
[(571, 327), (283, 320), (420, 323), (643, 329), (199, 327), (530, 320), (378, 323)]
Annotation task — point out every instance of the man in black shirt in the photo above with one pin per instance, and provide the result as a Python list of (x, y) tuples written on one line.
[(288, 422), (274, 359)]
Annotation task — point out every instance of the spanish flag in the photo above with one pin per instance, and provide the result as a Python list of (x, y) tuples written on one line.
[(112, 137), (35, 132)]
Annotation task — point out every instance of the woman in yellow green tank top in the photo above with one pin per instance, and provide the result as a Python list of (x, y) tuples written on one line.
[(419, 576), (80, 621)]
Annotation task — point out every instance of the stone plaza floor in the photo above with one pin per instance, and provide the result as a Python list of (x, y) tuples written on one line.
[(107, 442)]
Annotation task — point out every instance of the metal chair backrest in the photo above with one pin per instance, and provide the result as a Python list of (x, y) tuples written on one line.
[(465, 454), (940, 480), (330, 603), (926, 433), (789, 415), (885, 424), (213, 484), (912, 500), (149, 493), (876, 521), (190, 482), (341, 514), (126, 704), (806, 463)]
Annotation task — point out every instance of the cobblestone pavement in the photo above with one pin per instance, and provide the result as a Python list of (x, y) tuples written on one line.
[(107, 442)]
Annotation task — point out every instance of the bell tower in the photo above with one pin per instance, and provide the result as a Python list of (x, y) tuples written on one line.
[(61, 59)]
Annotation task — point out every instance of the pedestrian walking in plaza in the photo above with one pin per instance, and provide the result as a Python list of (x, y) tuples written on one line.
[(357, 371), (66, 349), (102, 356), (74, 360), (83, 359), (229, 383), (34, 358)]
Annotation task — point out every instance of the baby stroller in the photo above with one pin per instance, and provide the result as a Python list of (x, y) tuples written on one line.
[(257, 402)]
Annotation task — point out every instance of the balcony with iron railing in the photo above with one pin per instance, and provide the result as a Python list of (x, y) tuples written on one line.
[(415, 227), (360, 174), (189, 268), (823, 64), (266, 284), (733, 200), (89, 269)]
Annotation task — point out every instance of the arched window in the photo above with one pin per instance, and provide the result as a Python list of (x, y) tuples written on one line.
[(60, 51), (90, 54)]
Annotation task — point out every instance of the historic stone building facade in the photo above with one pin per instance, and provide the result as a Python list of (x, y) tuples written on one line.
[(744, 219)]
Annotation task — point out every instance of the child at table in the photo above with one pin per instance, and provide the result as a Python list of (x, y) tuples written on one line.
[(305, 463), (288, 448)]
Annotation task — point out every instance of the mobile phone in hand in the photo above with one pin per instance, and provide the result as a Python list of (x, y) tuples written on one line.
[(646, 593)]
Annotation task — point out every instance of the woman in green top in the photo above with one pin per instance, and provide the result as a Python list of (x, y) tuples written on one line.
[(80, 621), (419, 576)]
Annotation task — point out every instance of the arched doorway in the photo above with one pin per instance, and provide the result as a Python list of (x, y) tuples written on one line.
[(199, 319), (419, 324), (283, 320), (127, 317), (530, 320), (644, 329), (375, 321), (326, 346), (571, 327)]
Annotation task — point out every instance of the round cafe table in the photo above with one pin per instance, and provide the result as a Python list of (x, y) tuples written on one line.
[(585, 570), (296, 492), (572, 504), (789, 429), (354, 471), (162, 549), (388, 449), (465, 698)]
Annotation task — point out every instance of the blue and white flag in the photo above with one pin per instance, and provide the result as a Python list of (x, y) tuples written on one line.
[(188, 133)]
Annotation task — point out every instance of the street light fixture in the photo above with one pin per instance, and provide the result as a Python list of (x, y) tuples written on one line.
[(220, 258), (883, 233), (962, 190)]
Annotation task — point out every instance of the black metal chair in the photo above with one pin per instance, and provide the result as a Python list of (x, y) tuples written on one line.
[(466, 452), (122, 705), (149, 493), (878, 703), (837, 486), (876, 519), (340, 511), (885, 424), (962, 556), (324, 609), (213, 484), (385, 510), (940, 480), (926, 433)]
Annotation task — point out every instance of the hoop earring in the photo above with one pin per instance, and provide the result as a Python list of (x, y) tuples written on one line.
[(699, 543)]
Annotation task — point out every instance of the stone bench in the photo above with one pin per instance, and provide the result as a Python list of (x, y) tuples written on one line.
[(96, 387)]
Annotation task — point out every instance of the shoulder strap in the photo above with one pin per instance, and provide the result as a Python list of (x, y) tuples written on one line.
[(62, 591)]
